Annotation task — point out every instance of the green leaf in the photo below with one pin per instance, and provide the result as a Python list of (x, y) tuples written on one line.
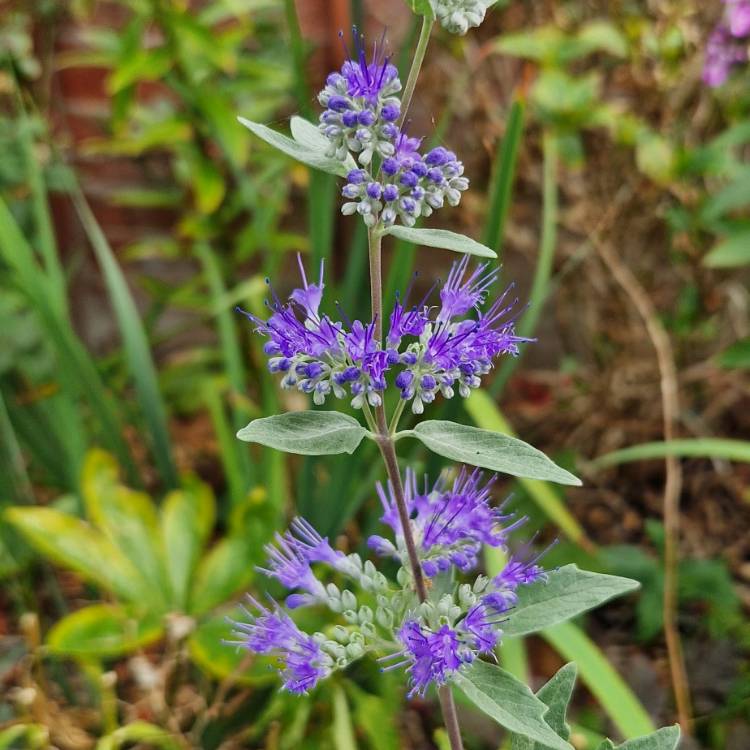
[(224, 571), (556, 695), (102, 631), (187, 518), (509, 702), (605, 684), (490, 450), (308, 135), (342, 731), (731, 252), (605, 37), (130, 521), (135, 342), (296, 150), (734, 196), (568, 592), (731, 450), (77, 546), (26, 736), (663, 739), (442, 238), (139, 734), (737, 356), (308, 433)]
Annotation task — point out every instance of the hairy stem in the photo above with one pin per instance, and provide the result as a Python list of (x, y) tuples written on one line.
[(388, 451), (416, 66)]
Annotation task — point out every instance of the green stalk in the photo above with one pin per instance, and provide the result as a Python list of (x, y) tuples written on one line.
[(419, 53), (540, 284)]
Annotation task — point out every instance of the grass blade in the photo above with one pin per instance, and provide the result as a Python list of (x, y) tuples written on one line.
[(504, 174), (607, 686), (77, 371), (136, 345), (707, 447), (234, 367), (540, 284)]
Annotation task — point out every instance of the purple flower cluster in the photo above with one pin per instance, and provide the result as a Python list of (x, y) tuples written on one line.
[(432, 654), (434, 639), (450, 524), (409, 185), (432, 350), (318, 355), (727, 46), (303, 662), (361, 108), (360, 116), (290, 559)]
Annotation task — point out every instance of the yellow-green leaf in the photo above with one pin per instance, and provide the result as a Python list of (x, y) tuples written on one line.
[(77, 545), (187, 518), (130, 521), (225, 570), (102, 630)]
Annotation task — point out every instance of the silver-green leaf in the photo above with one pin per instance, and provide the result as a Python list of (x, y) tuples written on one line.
[(556, 695), (307, 134), (509, 702), (663, 739), (299, 151), (309, 433), (442, 238), (489, 450), (568, 592)]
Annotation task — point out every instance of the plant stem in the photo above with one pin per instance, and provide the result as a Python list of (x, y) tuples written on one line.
[(388, 451), (384, 431), (375, 245), (419, 53)]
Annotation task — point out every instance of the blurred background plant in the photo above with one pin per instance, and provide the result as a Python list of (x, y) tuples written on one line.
[(135, 213)]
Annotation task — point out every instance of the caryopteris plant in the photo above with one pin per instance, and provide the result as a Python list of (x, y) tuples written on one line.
[(438, 621)]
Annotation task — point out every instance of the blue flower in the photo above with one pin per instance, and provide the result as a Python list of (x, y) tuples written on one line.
[(303, 662), (450, 524), (290, 558), (429, 656), (361, 106), (430, 352), (409, 185)]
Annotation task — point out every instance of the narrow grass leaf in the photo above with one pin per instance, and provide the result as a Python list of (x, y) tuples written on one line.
[(137, 351), (730, 450), (504, 171)]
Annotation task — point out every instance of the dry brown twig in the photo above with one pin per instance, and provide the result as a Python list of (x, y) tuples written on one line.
[(673, 484)]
